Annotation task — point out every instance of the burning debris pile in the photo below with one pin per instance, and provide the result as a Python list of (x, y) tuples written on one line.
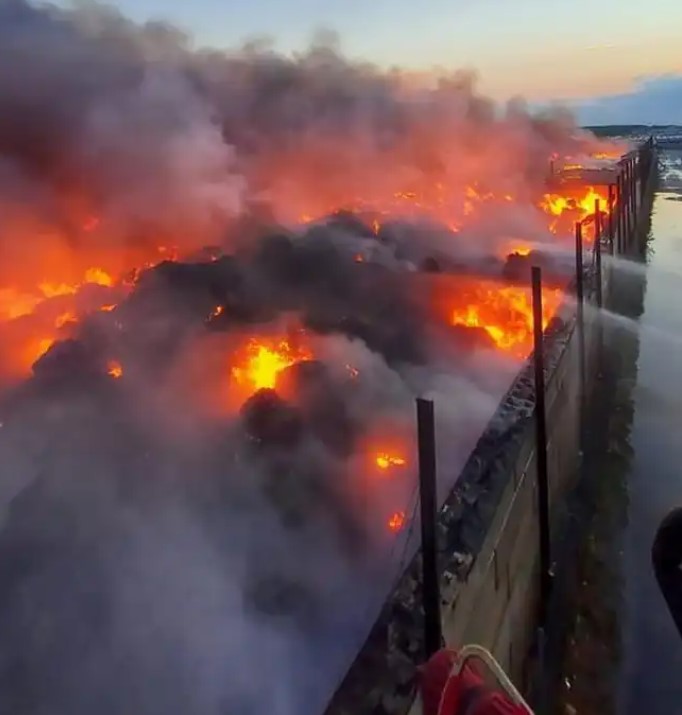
[(226, 276)]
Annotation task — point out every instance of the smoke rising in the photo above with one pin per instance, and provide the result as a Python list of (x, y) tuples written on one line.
[(178, 540)]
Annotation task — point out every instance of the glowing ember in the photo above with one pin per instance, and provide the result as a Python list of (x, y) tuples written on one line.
[(218, 310), (397, 521), (108, 308), (265, 360), (386, 461), (115, 369)]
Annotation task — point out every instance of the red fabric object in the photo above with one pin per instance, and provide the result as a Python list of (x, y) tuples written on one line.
[(443, 694)]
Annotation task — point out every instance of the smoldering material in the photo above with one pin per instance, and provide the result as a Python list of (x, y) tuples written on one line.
[(291, 546)]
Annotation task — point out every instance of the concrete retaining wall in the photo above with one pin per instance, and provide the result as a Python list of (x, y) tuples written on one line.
[(497, 604)]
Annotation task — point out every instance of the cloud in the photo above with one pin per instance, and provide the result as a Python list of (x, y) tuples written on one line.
[(654, 100)]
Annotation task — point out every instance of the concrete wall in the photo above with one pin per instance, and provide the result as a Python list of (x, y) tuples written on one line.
[(497, 604)]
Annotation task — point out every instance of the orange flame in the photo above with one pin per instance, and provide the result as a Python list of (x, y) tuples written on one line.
[(36, 349), (574, 204), (396, 521), (115, 369), (385, 461), (14, 304), (504, 312), (265, 360), (63, 319), (98, 277)]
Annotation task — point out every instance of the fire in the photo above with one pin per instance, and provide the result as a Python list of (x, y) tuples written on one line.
[(98, 277), (396, 521), (383, 460), (519, 249), (612, 155), (46, 290), (30, 342), (454, 206), (578, 204), (115, 369), (265, 360), (14, 304), (65, 318), (55, 290), (504, 312), (35, 349)]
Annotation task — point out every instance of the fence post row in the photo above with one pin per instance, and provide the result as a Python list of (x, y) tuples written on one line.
[(622, 208)]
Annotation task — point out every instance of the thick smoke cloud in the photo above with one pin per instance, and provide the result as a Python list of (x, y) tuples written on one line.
[(167, 543), (101, 117)]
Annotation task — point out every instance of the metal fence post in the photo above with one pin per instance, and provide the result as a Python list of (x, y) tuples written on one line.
[(635, 208), (427, 491), (541, 445), (580, 299), (610, 219), (619, 213), (627, 204)]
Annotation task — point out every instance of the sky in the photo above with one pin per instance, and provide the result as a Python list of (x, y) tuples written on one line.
[(609, 58)]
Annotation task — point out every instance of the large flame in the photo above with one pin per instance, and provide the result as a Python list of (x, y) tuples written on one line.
[(505, 313), (574, 204), (263, 359)]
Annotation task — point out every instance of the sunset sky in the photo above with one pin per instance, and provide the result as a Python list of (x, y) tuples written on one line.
[(542, 49)]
